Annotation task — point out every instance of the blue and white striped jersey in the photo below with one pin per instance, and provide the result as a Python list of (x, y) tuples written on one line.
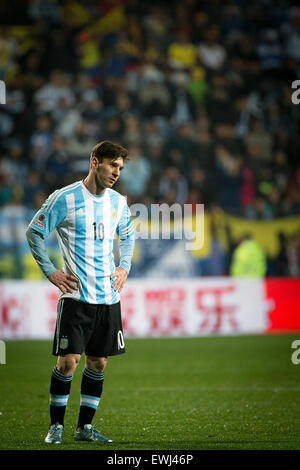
[(86, 225)]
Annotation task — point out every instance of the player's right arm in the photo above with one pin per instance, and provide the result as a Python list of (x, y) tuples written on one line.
[(52, 213)]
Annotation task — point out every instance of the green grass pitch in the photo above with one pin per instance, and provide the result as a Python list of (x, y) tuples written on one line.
[(180, 393)]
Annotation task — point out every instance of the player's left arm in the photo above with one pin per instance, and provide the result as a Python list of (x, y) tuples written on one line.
[(125, 231)]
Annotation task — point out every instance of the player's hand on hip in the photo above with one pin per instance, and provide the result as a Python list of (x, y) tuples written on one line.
[(119, 276), (67, 283)]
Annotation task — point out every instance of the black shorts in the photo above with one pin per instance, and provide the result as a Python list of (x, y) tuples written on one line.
[(93, 329)]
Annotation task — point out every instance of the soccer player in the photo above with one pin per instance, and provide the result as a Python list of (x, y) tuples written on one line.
[(86, 216)]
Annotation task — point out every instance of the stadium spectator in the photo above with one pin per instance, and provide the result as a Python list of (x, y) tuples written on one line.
[(211, 53), (156, 23), (229, 179), (79, 146), (66, 118), (172, 186), (40, 141), (32, 187), (182, 54), (293, 256), (153, 95), (132, 135), (57, 163), (9, 52), (151, 134), (183, 107), (219, 104), (291, 34), (136, 174), (259, 137), (13, 165), (270, 53), (47, 97), (198, 86), (180, 147), (248, 260)]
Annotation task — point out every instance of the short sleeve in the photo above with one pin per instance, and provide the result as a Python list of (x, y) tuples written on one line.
[(52, 213)]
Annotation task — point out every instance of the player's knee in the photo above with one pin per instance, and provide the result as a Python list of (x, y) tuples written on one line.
[(67, 364), (97, 364)]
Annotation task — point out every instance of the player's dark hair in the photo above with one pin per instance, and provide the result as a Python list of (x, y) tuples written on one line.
[(108, 149)]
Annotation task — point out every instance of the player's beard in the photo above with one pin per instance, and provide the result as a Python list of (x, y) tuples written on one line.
[(101, 184)]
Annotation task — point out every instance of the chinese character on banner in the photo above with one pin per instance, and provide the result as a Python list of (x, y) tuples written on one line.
[(13, 316), (214, 308), (165, 310), (128, 309)]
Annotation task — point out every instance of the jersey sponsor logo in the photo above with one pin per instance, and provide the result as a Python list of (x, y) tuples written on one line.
[(38, 223)]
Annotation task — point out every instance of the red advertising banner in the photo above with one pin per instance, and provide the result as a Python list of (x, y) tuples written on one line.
[(283, 297), (187, 307)]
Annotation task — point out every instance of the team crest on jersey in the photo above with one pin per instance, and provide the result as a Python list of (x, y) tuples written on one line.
[(114, 214), (63, 344)]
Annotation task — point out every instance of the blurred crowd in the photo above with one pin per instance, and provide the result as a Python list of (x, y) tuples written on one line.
[(198, 91)]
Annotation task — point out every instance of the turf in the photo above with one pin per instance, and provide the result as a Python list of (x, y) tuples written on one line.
[(181, 393)]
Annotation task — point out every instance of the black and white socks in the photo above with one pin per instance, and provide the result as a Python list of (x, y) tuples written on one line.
[(59, 394), (90, 394)]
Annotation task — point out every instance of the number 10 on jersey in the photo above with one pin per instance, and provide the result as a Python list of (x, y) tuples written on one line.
[(98, 231)]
